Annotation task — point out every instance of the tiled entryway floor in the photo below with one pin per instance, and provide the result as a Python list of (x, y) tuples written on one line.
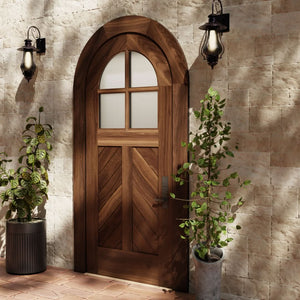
[(56, 283)]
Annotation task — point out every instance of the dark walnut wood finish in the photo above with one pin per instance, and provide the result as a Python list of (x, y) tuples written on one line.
[(120, 230)]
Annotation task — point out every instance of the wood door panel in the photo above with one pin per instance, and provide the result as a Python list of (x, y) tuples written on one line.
[(110, 197), (145, 189), (129, 265)]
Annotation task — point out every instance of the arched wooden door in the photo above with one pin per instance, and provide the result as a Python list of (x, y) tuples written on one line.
[(132, 129)]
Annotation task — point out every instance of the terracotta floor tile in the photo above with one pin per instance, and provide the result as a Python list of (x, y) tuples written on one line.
[(102, 297), (72, 297), (57, 283), (87, 283), (84, 294), (25, 296), (7, 292)]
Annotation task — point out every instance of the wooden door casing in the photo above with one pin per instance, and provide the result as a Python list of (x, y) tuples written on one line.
[(173, 261)]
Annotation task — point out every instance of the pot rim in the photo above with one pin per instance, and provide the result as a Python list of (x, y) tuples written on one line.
[(207, 262), (33, 221)]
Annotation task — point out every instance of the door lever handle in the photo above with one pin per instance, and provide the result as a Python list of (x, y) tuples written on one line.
[(163, 201)]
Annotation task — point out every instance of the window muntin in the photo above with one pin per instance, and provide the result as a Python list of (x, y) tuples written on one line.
[(128, 91)]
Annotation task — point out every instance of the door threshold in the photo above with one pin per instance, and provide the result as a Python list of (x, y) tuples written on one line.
[(130, 282)]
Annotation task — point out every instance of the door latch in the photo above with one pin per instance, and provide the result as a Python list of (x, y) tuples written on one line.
[(163, 201)]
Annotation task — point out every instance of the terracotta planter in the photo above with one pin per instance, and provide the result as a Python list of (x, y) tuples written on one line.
[(26, 246), (208, 276)]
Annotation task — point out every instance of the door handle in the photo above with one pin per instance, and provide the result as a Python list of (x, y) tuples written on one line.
[(163, 201)]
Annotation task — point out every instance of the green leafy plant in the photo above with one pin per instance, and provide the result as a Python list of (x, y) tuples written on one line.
[(27, 187), (212, 203)]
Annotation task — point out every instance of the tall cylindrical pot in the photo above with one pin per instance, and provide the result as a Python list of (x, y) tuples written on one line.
[(208, 276), (26, 247)]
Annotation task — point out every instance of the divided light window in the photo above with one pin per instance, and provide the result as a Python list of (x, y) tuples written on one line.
[(128, 93)]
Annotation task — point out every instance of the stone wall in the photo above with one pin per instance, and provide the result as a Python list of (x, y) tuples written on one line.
[(260, 76)]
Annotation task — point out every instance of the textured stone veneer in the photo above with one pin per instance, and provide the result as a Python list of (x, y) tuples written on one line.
[(259, 74)]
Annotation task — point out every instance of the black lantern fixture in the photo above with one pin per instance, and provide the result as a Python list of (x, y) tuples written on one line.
[(28, 66), (211, 47)]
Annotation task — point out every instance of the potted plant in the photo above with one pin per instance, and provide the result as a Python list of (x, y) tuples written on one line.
[(212, 202), (25, 189)]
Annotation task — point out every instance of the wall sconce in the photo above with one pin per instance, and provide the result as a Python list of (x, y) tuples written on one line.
[(211, 47), (28, 66)]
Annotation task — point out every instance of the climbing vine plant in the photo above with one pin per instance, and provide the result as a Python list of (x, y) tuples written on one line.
[(27, 187)]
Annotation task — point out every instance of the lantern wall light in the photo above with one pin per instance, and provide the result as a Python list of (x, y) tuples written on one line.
[(28, 66), (211, 47)]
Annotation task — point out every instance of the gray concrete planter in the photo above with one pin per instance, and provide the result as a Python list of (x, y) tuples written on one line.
[(26, 247), (208, 276)]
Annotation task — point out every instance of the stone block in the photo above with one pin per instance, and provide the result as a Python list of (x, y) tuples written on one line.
[(236, 263), (185, 33), (263, 47), (248, 77), (284, 6), (286, 48), (285, 159), (256, 289), (289, 272), (293, 251), (282, 97), (241, 52), (254, 166), (188, 15), (280, 248), (265, 119), (254, 227), (283, 143), (285, 176), (232, 285), (239, 243), (295, 96), (286, 230), (263, 202), (264, 267), (57, 8), (63, 184), (285, 23), (250, 142), (286, 75), (238, 117), (259, 246), (286, 292), (238, 97), (289, 115), (250, 19), (260, 97)]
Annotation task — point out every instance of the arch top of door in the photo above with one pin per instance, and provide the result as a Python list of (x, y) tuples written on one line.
[(138, 25)]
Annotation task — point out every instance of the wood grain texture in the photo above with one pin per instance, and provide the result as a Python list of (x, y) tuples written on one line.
[(122, 264), (170, 266), (110, 197), (144, 190)]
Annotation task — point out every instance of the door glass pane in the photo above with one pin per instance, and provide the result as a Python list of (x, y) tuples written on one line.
[(114, 73), (112, 110), (142, 72), (143, 108)]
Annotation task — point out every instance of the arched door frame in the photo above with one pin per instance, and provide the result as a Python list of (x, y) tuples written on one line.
[(179, 72)]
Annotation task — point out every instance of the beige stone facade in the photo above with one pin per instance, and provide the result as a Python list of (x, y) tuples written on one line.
[(259, 74)]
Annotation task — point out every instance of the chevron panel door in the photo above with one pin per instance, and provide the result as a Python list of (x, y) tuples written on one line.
[(131, 224)]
